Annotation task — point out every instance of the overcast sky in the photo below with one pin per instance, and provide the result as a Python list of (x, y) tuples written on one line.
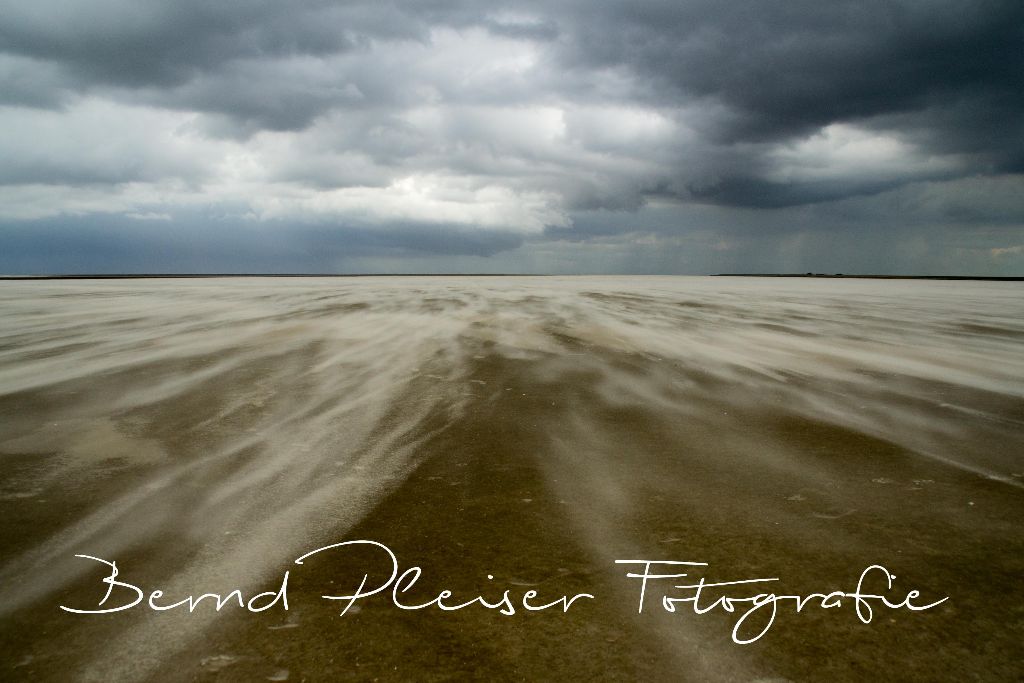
[(686, 136)]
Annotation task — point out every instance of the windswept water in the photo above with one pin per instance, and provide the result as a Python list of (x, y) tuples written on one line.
[(205, 433)]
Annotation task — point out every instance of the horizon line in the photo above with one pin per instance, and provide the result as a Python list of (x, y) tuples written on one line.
[(838, 276)]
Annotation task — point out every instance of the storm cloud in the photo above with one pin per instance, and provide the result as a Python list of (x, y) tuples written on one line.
[(565, 136)]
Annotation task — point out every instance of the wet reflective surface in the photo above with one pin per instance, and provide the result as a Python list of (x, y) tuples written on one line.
[(205, 433)]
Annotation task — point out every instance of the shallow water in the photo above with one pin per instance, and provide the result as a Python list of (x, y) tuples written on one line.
[(205, 433)]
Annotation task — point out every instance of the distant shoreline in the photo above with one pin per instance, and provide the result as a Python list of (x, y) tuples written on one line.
[(841, 276), (179, 276)]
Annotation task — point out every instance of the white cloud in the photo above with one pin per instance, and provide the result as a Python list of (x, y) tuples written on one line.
[(94, 140), (433, 198), (843, 151)]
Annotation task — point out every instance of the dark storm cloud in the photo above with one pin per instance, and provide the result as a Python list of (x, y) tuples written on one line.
[(197, 243), (418, 121), (785, 67), (951, 74), (779, 68), (149, 42)]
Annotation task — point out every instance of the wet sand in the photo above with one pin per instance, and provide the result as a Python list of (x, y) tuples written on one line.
[(204, 434)]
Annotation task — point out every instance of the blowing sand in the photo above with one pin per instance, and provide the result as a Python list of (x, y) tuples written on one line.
[(205, 433)]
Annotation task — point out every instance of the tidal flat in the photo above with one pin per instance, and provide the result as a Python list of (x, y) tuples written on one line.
[(509, 433)]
